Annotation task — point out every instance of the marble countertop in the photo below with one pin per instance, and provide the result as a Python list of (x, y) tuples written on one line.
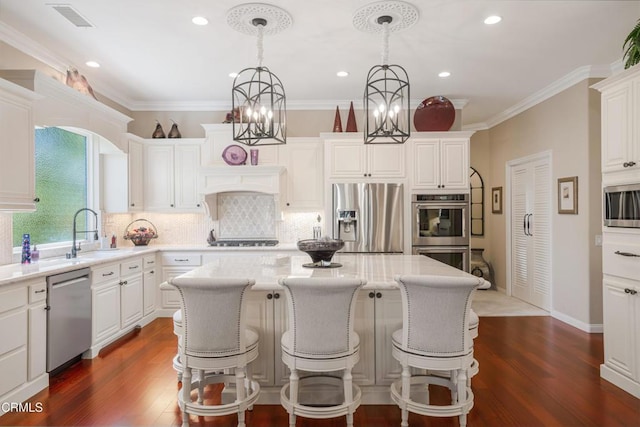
[(378, 269), (11, 273)]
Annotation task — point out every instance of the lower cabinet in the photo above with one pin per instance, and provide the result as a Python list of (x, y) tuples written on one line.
[(23, 340), (117, 302), (149, 284), (175, 264), (378, 315)]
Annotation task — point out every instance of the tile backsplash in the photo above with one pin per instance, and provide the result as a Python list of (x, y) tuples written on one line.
[(246, 215)]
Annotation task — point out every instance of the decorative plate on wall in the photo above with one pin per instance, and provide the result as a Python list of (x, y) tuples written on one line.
[(436, 113), (234, 155)]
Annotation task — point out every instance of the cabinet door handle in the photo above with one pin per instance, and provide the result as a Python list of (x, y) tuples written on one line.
[(133, 204), (37, 199), (152, 272), (180, 260), (629, 254), (40, 291), (107, 274), (378, 295), (372, 295), (630, 291), (133, 267), (628, 164), (276, 295), (269, 296)]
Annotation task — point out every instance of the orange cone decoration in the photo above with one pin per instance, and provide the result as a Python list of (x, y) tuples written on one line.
[(351, 120), (337, 123)]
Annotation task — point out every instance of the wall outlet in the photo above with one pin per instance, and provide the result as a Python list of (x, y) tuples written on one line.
[(598, 239)]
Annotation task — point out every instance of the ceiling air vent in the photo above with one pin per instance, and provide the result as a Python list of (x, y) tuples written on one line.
[(72, 15)]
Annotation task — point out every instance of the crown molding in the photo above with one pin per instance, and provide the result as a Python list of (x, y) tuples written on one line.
[(574, 77)]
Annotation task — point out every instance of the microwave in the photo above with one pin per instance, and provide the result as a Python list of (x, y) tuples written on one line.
[(622, 206)]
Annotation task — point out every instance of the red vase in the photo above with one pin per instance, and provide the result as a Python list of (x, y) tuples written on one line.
[(351, 120), (337, 122)]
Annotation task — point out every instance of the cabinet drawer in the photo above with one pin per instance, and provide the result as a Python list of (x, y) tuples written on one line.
[(181, 259), (149, 261), (621, 255), (37, 292), (106, 274), (131, 267), (13, 299)]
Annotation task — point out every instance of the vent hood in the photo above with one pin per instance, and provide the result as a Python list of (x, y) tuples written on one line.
[(257, 179)]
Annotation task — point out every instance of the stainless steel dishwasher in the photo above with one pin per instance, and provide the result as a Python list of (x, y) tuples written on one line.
[(68, 316)]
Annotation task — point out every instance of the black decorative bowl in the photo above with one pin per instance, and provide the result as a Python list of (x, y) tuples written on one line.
[(320, 250)]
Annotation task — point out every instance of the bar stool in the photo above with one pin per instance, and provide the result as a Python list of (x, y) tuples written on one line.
[(320, 339), (435, 337), (177, 331), (215, 339)]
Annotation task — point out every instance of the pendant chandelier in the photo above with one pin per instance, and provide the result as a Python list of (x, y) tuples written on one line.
[(258, 95), (386, 95)]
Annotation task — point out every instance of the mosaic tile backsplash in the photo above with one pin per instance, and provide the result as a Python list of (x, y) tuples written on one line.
[(246, 215)]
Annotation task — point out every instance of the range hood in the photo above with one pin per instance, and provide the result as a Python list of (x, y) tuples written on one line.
[(257, 179)]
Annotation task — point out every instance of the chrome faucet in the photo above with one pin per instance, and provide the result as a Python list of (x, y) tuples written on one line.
[(74, 248)]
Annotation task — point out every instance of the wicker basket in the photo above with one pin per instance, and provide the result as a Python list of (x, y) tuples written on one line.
[(142, 234)]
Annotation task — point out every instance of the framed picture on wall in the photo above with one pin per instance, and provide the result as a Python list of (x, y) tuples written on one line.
[(568, 195), (496, 200)]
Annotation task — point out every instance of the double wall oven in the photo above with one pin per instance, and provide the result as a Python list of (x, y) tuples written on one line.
[(440, 228)]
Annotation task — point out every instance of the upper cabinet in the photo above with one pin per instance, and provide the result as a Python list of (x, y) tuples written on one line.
[(348, 157), (17, 163), (303, 160), (620, 106), (171, 176), (440, 161), (136, 174)]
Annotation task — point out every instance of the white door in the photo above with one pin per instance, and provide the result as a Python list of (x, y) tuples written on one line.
[(530, 231)]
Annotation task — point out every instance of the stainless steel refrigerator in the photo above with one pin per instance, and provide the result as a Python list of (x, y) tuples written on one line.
[(369, 217)]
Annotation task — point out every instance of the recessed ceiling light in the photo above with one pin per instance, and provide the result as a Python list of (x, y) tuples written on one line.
[(92, 64), (342, 73), (233, 75), (493, 19), (444, 74), (200, 20)]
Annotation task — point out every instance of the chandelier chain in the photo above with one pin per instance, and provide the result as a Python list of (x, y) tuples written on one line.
[(259, 44), (385, 43)]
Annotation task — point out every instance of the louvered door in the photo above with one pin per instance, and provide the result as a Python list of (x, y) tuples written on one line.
[(531, 232)]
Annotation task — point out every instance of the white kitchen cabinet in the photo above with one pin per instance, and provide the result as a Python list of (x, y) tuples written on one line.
[(266, 313), (131, 291), (171, 173), (440, 163), (37, 329), (17, 163), (175, 264), (350, 158), (621, 309), (305, 171), (149, 284), (136, 174), (620, 106), (23, 340), (378, 315), (117, 301)]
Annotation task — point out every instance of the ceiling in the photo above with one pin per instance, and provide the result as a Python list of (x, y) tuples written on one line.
[(153, 58)]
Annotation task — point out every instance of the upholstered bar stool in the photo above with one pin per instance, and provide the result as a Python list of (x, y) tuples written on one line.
[(177, 330), (320, 339), (435, 337), (215, 339)]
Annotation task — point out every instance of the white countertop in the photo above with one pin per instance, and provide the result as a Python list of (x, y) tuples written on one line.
[(379, 270), (11, 273)]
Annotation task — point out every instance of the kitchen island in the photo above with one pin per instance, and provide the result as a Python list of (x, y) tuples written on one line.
[(378, 310)]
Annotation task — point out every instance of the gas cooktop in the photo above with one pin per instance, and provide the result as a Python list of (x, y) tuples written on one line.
[(245, 242)]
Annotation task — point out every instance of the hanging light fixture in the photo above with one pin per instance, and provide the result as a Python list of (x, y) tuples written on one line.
[(386, 95), (258, 95)]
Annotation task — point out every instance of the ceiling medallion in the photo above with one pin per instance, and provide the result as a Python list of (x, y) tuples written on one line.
[(258, 95), (386, 95)]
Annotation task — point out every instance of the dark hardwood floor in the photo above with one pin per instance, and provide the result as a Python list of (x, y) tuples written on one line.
[(534, 371)]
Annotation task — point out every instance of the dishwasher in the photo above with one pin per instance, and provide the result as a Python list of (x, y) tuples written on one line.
[(68, 316)]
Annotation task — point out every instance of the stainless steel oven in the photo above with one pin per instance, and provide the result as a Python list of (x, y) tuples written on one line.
[(455, 256), (440, 219)]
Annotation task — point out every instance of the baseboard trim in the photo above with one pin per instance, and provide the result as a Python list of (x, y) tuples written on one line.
[(619, 380), (592, 328)]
